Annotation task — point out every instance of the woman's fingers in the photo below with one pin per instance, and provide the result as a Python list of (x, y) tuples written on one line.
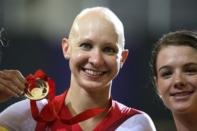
[(12, 82), (18, 80)]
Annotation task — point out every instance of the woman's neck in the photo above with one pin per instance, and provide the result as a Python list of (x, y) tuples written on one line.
[(78, 99), (185, 122)]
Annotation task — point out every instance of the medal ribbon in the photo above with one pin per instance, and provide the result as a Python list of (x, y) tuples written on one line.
[(31, 83), (50, 111), (92, 112)]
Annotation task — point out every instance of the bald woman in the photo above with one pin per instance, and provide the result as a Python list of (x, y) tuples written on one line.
[(95, 51)]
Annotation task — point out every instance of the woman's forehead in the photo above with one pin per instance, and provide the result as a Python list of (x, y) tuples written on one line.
[(175, 54)]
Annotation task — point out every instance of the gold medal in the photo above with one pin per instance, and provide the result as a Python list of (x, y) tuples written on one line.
[(39, 91)]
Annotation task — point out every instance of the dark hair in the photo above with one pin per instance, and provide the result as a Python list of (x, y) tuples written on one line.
[(3, 41), (3, 38), (177, 38)]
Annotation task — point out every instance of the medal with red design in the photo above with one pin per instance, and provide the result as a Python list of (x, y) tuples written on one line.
[(40, 86), (37, 86), (38, 91)]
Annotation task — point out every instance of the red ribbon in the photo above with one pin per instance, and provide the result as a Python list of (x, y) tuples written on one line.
[(50, 111), (85, 115), (32, 79), (31, 82)]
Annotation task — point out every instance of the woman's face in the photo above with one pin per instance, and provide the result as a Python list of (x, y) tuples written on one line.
[(95, 54), (176, 78)]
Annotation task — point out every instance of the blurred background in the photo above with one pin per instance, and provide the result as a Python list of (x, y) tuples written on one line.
[(35, 29)]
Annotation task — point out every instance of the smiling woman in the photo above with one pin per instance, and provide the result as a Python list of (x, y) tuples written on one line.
[(174, 65), (95, 51)]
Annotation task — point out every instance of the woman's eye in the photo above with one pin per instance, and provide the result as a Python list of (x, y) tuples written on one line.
[(109, 50), (191, 71), (86, 46), (166, 74)]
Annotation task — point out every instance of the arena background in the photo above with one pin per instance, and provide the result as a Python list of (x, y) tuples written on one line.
[(35, 29)]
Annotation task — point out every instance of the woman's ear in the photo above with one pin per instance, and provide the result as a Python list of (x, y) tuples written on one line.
[(156, 86), (124, 56), (65, 48)]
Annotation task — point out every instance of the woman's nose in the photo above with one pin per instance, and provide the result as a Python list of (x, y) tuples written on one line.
[(96, 58), (179, 80)]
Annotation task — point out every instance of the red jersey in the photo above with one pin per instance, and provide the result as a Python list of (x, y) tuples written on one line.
[(115, 117)]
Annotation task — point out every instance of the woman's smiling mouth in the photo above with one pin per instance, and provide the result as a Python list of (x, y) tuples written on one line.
[(181, 95), (94, 73)]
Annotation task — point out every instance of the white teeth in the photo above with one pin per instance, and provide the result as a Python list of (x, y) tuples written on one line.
[(95, 73), (183, 93)]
